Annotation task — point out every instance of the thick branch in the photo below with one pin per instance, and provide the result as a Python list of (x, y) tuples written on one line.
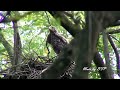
[(59, 66), (116, 53), (106, 54), (97, 58), (116, 23), (99, 63), (114, 32), (65, 22), (17, 44), (9, 19), (82, 47), (111, 18), (81, 55)]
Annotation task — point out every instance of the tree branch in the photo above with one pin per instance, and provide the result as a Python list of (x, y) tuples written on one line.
[(116, 23), (111, 18), (99, 63), (106, 53), (65, 22), (17, 45), (116, 53), (59, 66), (17, 18), (115, 38), (114, 32)]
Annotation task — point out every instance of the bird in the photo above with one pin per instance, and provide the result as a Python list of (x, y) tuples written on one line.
[(57, 41)]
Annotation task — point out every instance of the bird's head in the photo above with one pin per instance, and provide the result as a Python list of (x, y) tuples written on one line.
[(52, 29)]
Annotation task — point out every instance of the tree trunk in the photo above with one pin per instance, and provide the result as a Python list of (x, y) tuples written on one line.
[(17, 45)]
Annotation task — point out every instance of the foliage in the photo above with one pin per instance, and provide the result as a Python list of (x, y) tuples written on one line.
[(33, 30)]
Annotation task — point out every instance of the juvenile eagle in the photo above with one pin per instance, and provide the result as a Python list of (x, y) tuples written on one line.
[(56, 40)]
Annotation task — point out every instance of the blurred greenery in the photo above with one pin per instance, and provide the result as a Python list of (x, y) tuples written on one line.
[(33, 29)]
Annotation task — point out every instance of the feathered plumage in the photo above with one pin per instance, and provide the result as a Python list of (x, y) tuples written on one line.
[(56, 40)]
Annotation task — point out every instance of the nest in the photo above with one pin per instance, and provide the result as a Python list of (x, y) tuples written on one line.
[(33, 70)]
